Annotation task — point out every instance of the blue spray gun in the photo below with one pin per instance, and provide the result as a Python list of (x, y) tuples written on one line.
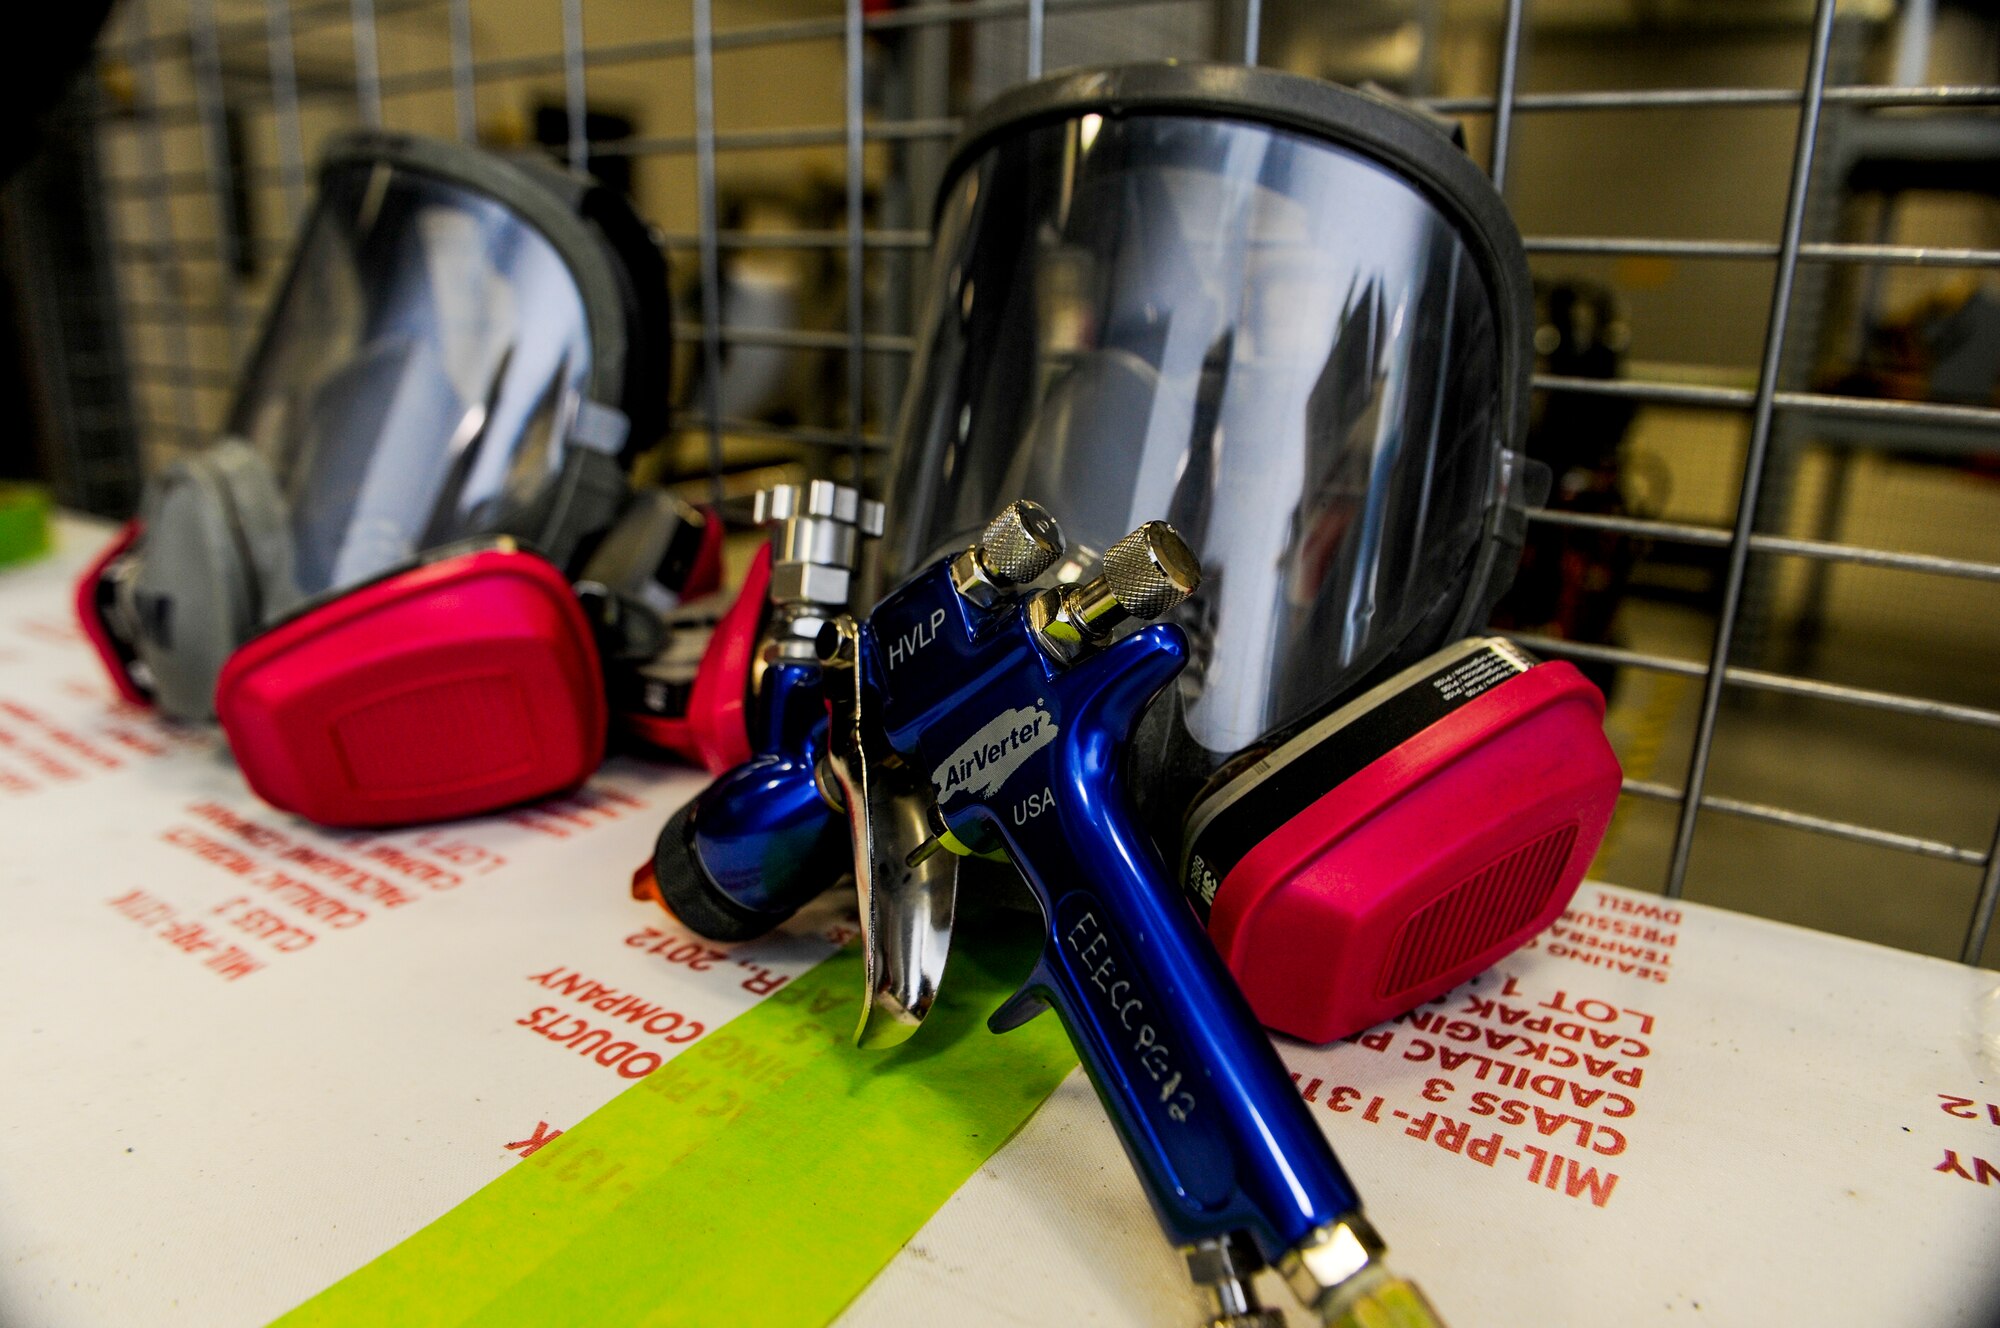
[(966, 717)]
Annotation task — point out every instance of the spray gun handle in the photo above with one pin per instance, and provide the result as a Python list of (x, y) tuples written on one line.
[(1205, 1109), (1018, 712)]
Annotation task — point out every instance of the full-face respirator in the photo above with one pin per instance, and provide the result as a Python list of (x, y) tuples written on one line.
[(1209, 472), (399, 578), (1300, 333)]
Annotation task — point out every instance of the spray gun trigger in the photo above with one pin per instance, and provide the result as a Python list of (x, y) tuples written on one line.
[(1016, 1010), (946, 840), (905, 905)]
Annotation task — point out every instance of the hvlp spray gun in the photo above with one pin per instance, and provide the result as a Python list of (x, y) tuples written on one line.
[(1294, 319), (966, 717)]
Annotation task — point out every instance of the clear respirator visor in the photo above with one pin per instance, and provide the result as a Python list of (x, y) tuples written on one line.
[(1282, 347), (418, 373)]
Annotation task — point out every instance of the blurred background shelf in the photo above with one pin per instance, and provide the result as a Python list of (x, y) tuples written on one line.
[(1845, 771)]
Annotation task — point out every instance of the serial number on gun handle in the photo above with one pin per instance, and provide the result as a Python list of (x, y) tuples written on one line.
[(1092, 948)]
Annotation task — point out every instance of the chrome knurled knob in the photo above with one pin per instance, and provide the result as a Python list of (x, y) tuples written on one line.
[(1151, 570), (1020, 544)]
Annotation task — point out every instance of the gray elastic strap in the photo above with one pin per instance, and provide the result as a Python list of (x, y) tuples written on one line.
[(587, 496), (628, 560), (1523, 483), (216, 563), (263, 521), (599, 427)]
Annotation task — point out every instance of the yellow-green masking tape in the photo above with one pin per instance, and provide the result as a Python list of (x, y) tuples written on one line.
[(24, 522), (762, 1176)]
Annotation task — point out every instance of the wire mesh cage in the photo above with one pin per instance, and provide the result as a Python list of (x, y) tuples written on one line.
[(1730, 197)]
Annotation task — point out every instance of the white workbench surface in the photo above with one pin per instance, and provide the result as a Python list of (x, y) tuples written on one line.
[(1655, 1115)]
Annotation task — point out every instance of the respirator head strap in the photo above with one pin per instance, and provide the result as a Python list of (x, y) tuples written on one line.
[(588, 492)]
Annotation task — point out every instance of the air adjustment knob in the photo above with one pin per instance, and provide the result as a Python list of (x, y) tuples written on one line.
[(1145, 575), (1151, 571), (1016, 547), (1021, 543)]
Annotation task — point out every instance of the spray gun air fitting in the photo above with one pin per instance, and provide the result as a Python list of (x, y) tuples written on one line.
[(815, 549), (1338, 1273)]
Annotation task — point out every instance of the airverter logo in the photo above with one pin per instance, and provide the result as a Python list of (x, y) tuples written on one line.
[(984, 761)]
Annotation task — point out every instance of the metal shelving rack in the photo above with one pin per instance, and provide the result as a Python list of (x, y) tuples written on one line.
[(165, 255)]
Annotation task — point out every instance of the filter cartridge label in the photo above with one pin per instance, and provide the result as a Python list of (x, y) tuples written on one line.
[(1235, 819)]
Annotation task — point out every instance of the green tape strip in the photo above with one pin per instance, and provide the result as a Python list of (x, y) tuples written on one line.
[(763, 1175)]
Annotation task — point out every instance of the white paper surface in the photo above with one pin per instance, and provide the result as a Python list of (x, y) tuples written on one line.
[(209, 1117), (239, 1056), (1801, 1142)]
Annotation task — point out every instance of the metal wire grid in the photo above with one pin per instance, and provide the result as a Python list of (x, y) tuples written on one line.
[(204, 37)]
